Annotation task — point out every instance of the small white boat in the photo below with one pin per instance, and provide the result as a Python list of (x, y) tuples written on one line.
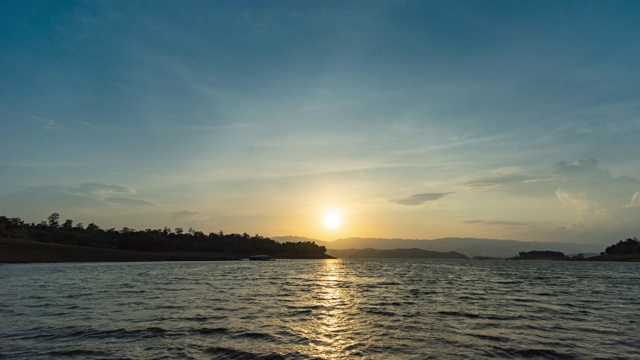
[(260, 257)]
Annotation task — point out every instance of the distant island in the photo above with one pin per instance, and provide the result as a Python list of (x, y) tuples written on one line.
[(51, 241), (624, 250), (545, 255), (396, 254), (470, 247), (627, 250)]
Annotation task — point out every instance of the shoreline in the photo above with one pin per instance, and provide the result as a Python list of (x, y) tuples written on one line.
[(22, 251), (19, 251)]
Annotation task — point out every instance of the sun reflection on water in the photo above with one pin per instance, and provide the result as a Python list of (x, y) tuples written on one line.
[(330, 328)]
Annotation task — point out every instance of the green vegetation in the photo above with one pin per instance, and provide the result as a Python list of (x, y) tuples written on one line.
[(628, 246), (624, 250), (22, 250), (153, 240)]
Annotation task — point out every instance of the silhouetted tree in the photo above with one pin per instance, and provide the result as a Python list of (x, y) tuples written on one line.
[(68, 224), (53, 220)]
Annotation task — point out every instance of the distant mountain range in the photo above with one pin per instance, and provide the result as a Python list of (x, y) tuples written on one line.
[(395, 254), (467, 246)]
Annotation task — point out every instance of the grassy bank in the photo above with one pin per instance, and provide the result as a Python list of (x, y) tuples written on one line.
[(27, 251)]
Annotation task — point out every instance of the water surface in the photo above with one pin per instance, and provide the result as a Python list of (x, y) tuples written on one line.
[(321, 309)]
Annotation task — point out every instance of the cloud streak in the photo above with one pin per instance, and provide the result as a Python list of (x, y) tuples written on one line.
[(101, 190), (419, 199), (128, 202), (488, 182), (183, 214), (83, 195), (495, 223), (635, 200)]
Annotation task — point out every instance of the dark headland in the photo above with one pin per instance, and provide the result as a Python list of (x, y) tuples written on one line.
[(30, 251), (27, 251), (50, 241)]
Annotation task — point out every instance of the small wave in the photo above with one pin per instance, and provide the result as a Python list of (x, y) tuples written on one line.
[(471, 298), (523, 300), (504, 317), (380, 312), (396, 303), (491, 337), (508, 282), (207, 331), (533, 354), (6, 310), (635, 344), (117, 333), (225, 354), (304, 307), (459, 313), (388, 283), (197, 318), (543, 353), (76, 353), (254, 335)]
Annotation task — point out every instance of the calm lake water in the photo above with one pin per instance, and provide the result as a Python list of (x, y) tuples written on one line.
[(321, 309)]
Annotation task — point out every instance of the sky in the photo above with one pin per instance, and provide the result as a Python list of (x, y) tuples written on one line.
[(325, 119)]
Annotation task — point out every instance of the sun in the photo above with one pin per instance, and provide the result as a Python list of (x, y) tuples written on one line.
[(332, 219)]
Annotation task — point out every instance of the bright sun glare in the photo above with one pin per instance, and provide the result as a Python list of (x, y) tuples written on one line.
[(332, 219)]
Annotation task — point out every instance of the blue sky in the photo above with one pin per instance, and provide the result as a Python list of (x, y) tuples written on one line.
[(425, 119)]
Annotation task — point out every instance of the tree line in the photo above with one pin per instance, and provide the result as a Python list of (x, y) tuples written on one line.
[(153, 240), (541, 254), (628, 246)]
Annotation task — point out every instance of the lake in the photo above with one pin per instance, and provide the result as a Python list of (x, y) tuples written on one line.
[(321, 309)]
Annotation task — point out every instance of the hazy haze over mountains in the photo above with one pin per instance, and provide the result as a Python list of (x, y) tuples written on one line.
[(467, 246)]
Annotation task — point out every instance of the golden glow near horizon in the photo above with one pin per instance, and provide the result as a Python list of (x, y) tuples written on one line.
[(332, 219)]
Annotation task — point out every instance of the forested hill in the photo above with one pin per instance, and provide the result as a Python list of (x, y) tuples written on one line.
[(154, 240)]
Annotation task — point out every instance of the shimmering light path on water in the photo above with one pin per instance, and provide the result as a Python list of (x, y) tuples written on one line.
[(325, 309)]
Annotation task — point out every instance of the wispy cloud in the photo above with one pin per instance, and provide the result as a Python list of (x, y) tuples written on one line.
[(579, 167), (128, 202), (45, 122), (496, 223), (83, 195), (487, 182), (183, 214), (89, 125), (635, 200), (418, 199), (101, 190)]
